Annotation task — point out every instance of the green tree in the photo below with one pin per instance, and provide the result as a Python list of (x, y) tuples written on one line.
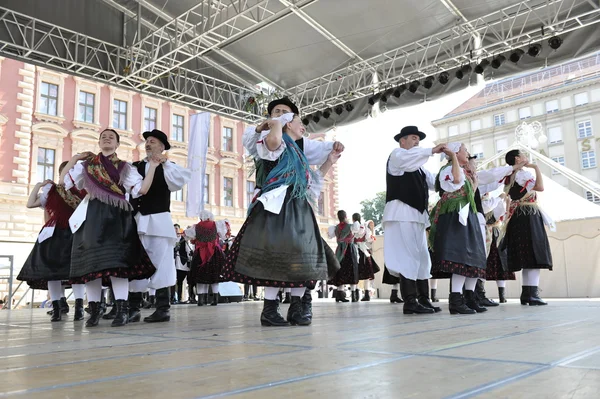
[(372, 209)]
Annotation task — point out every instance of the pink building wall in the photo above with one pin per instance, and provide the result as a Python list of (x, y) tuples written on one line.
[(9, 80)]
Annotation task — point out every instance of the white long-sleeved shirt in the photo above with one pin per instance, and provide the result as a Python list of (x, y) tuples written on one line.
[(401, 161), (221, 225), (132, 181)]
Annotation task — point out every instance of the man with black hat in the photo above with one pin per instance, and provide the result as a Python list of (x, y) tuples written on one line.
[(405, 218), (155, 226)]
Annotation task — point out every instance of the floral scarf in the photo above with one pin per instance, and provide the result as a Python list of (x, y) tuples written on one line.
[(61, 203), (103, 177)]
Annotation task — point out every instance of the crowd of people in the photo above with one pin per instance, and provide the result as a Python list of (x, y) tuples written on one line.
[(108, 225)]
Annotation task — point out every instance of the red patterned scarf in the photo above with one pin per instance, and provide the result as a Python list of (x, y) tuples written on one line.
[(103, 177)]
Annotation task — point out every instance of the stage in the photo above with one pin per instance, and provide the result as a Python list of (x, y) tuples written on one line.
[(363, 350)]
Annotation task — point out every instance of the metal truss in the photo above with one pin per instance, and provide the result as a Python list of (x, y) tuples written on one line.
[(498, 32)]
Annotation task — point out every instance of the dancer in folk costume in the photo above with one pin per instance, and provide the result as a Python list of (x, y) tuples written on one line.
[(525, 240), (181, 254), (154, 225), (280, 244), (347, 254), (49, 262), (367, 268), (105, 241), (208, 260)]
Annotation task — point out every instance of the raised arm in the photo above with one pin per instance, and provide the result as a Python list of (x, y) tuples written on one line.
[(539, 181), (34, 200), (275, 137)]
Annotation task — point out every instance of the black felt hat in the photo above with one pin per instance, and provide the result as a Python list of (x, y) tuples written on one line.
[(282, 101), (407, 131), (159, 135)]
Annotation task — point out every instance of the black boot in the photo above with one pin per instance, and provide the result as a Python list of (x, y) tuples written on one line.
[(456, 304), (295, 315), (394, 298), (280, 296), (367, 297), (78, 310), (423, 295), (270, 315), (288, 298), (472, 302), (525, 295), (215, 299), (340, 296), (56, 311), (480, 292), (307, 304), (162, 307), (111, 315), (151, 302), (94, 314), (434, 297), (202, 299), (135, 305), (122, 316), (355, 295), (102, 305), (408, 288), (501, 294), (64, 306), (534, 297)]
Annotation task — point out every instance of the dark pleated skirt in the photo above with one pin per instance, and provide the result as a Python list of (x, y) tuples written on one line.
[(209, 273), (496, 266), (107, 244), (526, 242), (367, 267), (348, 273), (388, 278), (49, 260)]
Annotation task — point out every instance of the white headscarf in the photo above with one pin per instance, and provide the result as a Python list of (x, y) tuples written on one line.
[(206, 215), (454, 147)]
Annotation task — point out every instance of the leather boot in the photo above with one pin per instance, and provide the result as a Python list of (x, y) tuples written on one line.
[(534, 297), (307, 304), (280, 296), (423, 295), (102, 305), (122, 316), (135, 304), (501, 294), (56, 311), (78, 310), (270, 315), (472, 302), (340, 296), (480, 292), (295, 315), (367, 297), (288, 298), (394, 298), (94, 314), (64, 307), (215, 299), (110, 315), (434, 297), (151, 302), (456, 304), (161, 313), (201, 299), (409, 293), (355, 295), (525, 295)]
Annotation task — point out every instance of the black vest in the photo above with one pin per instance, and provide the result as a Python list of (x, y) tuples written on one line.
[(516, 192), (410, 188), (478, 204), (158, 198)]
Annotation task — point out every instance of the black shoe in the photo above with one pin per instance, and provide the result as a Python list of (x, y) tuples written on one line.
[(307, 304), (534, 297), (122, 316), (340, 296), (422, 295), (78, 310), (215, 299), (295, 316), (201, 299), (367, 297), (456, 304), (394, 298), (501, 294), (192, 300), (472, 302), (409, 293), (161, 314), (270, 315), (94, 314), (256, 298), (288, 298), (56, 311), (525, 295), (280, 296), (434, 297), (481, 298), (64, 306), (151, 302), (111, 315), (135, 304)]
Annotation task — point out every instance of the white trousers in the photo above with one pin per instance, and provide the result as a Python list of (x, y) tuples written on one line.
[(405, 250), (160, 251)]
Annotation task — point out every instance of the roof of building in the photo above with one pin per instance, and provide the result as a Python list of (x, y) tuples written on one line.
[(527, 84)]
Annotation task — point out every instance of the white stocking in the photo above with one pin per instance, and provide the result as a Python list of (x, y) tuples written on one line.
[(501, 283), (340, 288), (54, 290), (78, 290), (396, 287), (470, 283), (271, 293), (433, 283), (94, 290), (457, 283), (353, 286), (120, 287), (202, 288), (215, 288), (298, 291)]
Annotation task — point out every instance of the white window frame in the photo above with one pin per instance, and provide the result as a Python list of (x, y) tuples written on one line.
[(581, 99), (584, 128), (479, 155), (528, 109), (151, 102), (89, 87), (45, 75), (249, 195), (451, 132), (185, 112), (504, 139), (550, 141), (232, 186), (155, 120), (118, 112), (46, 135), (560, 159), (499, 119), (590, 156), (551, 107), (230, 123), (121, 95), (174, 127), (477, 122), (592, 197)]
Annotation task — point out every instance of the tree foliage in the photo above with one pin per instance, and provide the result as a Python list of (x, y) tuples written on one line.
[(372, 209)]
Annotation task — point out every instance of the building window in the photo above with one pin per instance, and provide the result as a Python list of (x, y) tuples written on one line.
[(477, 150), (588, 159), (555, 135), (321, 204), (120, 114), (177, 132), (149, 119), (584, 129), (581, 99), (228, 139), (86, 106), (551, 106), (592, 197), (48, 98), (524, 113), (475, 125), (250, 186), (559, 160), (177, 195), (206, 188), (227, 191), (499, 120), (45, 164), (501, 145), (453, 130)]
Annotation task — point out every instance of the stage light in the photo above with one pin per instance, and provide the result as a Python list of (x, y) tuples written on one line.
[(317, 116), (386, 95), (516, 55), (399, 90), (327, 113), (555, 42), (481, 66), (373, 99), (428, 82), (444, 77), (498, 61), (339, 109), (349, 107), (413, 86), (305, 121), (534, 50), (464, 70)]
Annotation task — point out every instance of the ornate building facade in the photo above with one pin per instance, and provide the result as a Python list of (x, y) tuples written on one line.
[(46, 117)]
